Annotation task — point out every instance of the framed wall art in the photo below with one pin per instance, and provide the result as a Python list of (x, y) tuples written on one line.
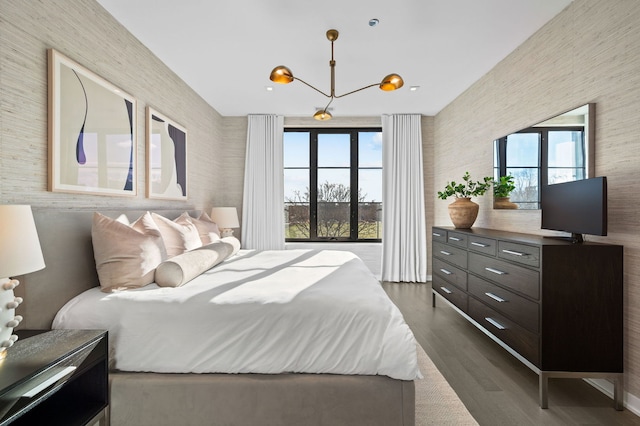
[(166, 157), (92, 132)]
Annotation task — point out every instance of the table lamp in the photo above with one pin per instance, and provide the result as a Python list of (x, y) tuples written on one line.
[(226, 218), (20, 254)]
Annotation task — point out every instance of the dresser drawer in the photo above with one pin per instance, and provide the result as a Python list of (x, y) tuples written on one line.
[(521, 253), (522, 341), (451, 254), (457, 239), (483, 245), (438, 234), (521, 310), (522, 280), (450, 273), (450, 292)]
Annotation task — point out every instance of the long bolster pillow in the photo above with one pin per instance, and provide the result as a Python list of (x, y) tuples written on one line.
[(181, 269)]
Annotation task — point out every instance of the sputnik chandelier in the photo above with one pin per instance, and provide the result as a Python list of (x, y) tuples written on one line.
[(283, 75)]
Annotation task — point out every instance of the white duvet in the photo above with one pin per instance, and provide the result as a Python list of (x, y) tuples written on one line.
[(299, 311)]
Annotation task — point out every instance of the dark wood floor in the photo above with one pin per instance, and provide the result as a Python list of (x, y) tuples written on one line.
[(496, 388)]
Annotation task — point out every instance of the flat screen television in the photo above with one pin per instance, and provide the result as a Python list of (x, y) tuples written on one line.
[(578, 207)]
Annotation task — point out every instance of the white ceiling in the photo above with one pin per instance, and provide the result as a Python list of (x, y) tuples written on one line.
[(225, 50)]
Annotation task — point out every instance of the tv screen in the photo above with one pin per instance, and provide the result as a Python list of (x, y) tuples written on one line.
[(578, 207)]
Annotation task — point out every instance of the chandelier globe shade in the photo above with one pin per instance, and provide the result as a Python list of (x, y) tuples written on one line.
[(391, 82), (283, 75), (322, 115)]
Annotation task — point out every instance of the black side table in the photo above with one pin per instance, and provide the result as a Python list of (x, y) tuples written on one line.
[(57, 377)]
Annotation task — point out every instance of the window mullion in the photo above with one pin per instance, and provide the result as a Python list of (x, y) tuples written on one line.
[(353, 212), (544, 159), (313, 186)]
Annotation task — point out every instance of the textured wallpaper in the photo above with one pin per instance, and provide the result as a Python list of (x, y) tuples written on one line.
[(87, 34)]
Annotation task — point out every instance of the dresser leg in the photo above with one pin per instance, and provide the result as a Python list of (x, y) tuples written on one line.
[(543, 388), (433, 299), (617, 392)]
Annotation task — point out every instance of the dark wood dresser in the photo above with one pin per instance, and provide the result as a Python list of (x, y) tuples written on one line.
[(554, 305)]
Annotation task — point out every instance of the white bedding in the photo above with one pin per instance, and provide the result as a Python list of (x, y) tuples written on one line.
[(299, 311)]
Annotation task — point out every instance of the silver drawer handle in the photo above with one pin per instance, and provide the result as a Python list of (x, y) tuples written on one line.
[(435, 234), (495, 271), (473, 243), (495, 323), (494, 297), (446, 290), (515, 253), (446, 253), (455, 239), (445, 271)]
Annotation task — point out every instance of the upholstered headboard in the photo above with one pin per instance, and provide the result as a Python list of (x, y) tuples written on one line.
[(65, 238)]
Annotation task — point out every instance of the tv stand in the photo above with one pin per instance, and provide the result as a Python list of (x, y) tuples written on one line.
[(574, 238), (554, 305)]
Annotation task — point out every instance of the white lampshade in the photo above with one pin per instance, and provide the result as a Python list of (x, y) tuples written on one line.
[(20, 254), (20, 251), (225, 217)]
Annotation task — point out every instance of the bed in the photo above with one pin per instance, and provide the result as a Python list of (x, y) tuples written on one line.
[(262, 338)]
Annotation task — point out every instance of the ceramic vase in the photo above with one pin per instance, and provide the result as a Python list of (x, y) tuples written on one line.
[(503, 203), (463, 212)]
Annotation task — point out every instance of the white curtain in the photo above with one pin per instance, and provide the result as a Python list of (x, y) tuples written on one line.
[(404, 241), (263, 199)]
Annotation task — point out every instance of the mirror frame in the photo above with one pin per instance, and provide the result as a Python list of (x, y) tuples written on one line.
[(556, 120)]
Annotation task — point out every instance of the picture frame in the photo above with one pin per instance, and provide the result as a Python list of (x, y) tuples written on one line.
[(92, 132), (166, 144)]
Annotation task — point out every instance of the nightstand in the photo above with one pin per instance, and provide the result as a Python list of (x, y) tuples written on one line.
[(57, 377)]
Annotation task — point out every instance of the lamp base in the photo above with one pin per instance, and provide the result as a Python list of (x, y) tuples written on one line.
[(226, 232), (8, 318)]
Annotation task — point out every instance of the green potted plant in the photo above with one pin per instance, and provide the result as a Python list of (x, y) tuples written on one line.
[(463, 211), (502, 189)]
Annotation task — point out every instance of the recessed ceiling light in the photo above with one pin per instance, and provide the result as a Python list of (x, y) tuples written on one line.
[(373, 22), (414, 88), (268, 88)]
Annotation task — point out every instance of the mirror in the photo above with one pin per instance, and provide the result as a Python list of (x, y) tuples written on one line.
[(560, 149)]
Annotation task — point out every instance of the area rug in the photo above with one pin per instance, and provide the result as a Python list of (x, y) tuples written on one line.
[(436, 402)]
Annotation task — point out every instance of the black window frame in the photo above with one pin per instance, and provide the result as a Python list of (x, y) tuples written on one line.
[(353, 178)]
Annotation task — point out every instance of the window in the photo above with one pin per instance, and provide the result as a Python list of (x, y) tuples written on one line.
[(539, 156), (333, 184)]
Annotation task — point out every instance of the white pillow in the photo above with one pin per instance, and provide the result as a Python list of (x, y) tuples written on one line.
[(181, 269), (126, 255), (179, 235)]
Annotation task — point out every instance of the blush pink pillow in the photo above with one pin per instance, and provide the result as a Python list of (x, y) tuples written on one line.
[(207, 229), (179, 235), (126, 255)]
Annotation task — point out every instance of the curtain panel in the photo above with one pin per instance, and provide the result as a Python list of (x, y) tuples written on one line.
[(263, 197), (404, 241)]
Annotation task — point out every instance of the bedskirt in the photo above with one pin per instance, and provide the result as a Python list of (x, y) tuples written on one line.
[(260, 399)]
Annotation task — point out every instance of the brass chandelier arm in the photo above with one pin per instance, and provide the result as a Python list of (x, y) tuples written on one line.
[(327, 107), (357, 90), (307, 84), (333, 95)]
